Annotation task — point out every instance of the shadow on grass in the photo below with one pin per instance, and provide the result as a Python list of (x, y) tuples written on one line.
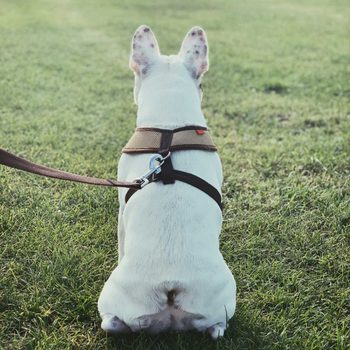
[(243, 333)]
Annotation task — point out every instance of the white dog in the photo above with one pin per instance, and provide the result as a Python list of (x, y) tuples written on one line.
[(171, 274)]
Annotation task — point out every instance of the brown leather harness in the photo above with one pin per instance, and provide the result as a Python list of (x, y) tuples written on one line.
[(162, 142)]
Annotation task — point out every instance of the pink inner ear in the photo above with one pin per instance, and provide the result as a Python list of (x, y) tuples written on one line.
[(134, 66), (194, 52), (144, 50)]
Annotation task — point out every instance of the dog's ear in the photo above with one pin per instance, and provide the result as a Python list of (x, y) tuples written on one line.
[(194, 52), (144, 50)]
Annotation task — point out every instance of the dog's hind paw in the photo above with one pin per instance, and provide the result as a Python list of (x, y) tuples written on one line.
[(217, 330), (112, 324)]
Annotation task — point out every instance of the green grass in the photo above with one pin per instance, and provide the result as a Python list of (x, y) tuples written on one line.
[(277, 100)]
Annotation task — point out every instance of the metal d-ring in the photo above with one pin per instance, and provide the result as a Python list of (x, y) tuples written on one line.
[(153, 169)]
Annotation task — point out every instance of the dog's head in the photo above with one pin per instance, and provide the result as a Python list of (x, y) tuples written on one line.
[(184, 70)]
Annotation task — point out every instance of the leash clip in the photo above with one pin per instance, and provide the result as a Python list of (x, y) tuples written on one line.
[(154, 169)]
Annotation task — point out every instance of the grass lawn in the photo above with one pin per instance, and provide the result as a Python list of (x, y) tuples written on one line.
[(277, 99)]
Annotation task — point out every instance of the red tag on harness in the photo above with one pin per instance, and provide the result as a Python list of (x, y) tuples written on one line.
[(200, 132)]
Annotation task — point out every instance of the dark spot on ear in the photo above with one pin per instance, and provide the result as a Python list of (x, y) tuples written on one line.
[(146, 30), (205, 49), (193, 33), (152, 45)]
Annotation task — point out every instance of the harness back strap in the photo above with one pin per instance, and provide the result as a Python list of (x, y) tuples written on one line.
[(155, 140), (12, 161)]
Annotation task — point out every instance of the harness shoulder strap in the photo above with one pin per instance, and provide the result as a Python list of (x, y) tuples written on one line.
[(201, 184)]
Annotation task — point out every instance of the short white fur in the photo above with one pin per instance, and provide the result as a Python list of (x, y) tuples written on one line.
[(168, 235)]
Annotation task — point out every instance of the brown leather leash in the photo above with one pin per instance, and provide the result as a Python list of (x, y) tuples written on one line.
[(13, 161)]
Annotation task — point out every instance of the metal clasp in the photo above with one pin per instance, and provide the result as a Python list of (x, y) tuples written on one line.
[(155, 167)]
